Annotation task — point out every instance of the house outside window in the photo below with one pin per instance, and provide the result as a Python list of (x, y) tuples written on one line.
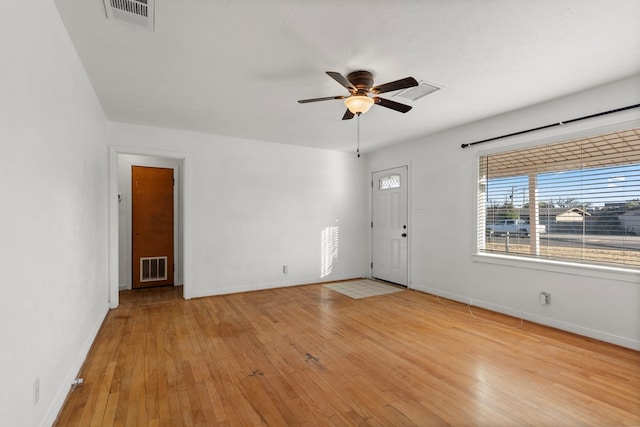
[(575, 201)]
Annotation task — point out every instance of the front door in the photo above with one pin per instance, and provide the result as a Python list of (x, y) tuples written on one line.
[(152, 226), (389, 226)]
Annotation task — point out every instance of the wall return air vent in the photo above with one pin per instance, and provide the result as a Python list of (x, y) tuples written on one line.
[(153, 269), (137, 12)]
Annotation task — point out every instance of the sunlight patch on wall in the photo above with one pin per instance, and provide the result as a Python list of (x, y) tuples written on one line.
[(329, 245)]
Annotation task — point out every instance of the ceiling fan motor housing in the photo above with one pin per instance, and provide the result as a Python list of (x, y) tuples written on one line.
[(362, 81)]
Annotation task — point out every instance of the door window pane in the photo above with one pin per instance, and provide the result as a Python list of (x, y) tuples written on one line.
[(389, 181)]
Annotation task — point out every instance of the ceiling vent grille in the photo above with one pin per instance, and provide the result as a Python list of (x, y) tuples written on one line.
[(137, 12), (417, 92)]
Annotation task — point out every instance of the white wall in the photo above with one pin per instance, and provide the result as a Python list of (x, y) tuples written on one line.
[(252, 207), (53, 220), (598, 303)]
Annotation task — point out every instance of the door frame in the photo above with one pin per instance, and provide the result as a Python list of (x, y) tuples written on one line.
[(409, 225), (182, 188)]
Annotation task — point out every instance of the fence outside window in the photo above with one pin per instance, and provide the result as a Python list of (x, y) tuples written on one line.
[(576, 201)]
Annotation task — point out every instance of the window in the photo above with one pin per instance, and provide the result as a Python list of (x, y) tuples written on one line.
[(575, 201), (389, 181)]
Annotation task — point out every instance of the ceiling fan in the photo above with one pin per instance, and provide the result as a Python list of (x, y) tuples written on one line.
[(360, 86)]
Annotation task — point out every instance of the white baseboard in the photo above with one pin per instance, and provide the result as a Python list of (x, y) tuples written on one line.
[(269, 285), (547, 321)]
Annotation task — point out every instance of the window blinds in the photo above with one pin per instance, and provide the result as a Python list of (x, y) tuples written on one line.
[(577, 200)]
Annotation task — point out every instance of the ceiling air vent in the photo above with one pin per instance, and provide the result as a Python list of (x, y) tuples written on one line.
[(416, 92), (137, 12)]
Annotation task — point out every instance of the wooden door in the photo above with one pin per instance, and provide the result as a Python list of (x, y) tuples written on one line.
[(152, 226), (389, 226)]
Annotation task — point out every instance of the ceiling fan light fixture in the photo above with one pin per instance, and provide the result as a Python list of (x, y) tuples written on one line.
[(358, 104)]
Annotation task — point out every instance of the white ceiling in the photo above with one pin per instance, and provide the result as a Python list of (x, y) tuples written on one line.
[(238, 67)]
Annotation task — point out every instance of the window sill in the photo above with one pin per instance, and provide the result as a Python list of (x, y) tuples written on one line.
[(613, 273)]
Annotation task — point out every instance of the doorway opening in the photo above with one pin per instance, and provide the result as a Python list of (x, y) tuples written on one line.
[(122, 265)]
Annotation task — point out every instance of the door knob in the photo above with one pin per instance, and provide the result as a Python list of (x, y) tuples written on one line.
[(404, 234)]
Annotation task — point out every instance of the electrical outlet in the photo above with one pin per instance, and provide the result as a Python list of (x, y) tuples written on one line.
[(285, 269), (36, 391), (545, 298)]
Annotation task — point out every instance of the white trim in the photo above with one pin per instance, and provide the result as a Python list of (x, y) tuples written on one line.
[(574, 268), (542, 320), (114, 298), (409, 223), (248, 287), (114, 151)]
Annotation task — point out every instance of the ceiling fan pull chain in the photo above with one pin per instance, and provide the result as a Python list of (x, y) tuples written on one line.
[(358, 147)]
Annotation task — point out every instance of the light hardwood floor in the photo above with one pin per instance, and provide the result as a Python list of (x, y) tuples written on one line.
[(306, 356)]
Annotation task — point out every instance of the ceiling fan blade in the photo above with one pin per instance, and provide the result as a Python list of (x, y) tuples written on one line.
[(342, 80), (326, 98), (396, 85), (403, 108), (348, 115)]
